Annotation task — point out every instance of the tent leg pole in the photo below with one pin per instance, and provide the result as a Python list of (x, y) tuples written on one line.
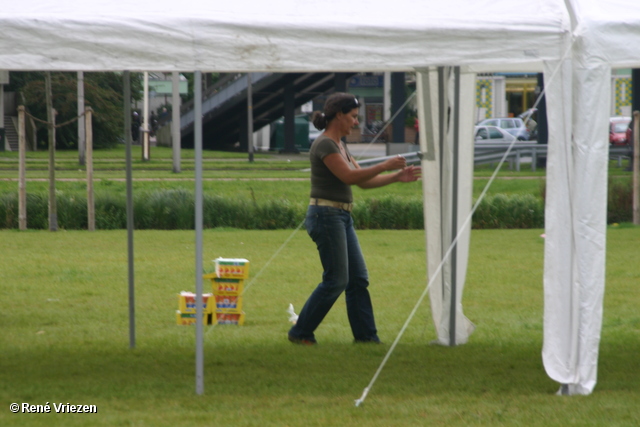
[(127, 138), (454, 206), (197, 108), (442, 118)]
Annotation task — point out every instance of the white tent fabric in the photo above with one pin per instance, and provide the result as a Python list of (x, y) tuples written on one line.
[(371, 35), (606, 35), (576, 228), (447, 188), (278, 35)]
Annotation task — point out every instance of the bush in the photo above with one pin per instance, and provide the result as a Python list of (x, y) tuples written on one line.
[(111, 211), (518, 211), (620, 201), (174, 209), (389, 212)]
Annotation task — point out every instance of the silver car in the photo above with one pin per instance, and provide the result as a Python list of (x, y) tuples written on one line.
[(492, 135), (514, 125)]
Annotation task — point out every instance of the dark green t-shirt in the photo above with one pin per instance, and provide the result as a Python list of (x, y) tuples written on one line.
[(324, 184)]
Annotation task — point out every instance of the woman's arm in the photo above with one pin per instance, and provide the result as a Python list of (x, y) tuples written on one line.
[(408, 174), (340, 168)]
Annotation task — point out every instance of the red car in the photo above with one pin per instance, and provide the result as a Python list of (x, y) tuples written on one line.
[(618, 130), (630, 133)]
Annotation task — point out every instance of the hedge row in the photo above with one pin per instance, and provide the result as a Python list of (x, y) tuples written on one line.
[(174, 209)]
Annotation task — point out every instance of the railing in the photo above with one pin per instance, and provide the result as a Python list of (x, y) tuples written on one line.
[(493, 153)]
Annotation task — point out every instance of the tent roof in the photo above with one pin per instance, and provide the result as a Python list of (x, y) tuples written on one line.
[(609, 31), (279, 35)]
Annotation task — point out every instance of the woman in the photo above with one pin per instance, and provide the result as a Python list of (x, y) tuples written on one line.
[(329, 223)]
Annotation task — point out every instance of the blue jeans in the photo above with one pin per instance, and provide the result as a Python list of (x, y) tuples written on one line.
[(344, 270)]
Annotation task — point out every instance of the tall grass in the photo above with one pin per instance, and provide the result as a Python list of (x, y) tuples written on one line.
[(174, 210), (260, 206)]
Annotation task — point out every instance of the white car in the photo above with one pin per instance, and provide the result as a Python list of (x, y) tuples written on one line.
[(492, 135)]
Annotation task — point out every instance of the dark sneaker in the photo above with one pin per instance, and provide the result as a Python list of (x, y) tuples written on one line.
[(302, 341)]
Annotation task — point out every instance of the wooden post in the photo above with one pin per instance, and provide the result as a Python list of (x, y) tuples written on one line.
[(91, 213), (144, 138), (175, 121), (636, 167), (51, 119), (22, 170)]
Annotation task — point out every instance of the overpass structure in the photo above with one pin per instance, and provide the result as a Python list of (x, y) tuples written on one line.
[(274, 95)]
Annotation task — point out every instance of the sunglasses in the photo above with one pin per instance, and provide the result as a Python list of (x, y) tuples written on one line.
[(350, 105)]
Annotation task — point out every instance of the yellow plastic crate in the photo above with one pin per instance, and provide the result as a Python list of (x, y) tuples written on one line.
[(232, 268), (230, 318), (221, 286), (187, 302), (185, 319), (228, 303)]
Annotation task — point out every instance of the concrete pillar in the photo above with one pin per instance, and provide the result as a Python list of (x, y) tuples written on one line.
[(386, 109), (340, 82), (289, 120), (398, 97)]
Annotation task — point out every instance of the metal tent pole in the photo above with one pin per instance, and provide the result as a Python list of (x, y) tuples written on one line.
[(454, 205), (127, 138), (442, 121), (197, 108), (81, 123)]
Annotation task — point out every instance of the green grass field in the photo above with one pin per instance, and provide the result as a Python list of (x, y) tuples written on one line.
[(229, 173), (65, 336), (226, 174)]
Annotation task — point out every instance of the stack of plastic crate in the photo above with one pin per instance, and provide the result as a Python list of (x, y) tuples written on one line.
[(228, 285), (186, 314)]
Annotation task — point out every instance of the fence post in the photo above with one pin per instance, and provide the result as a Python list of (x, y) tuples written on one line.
[(51, 126), (22, 170), (91, 219), (534, 159), (636, 167)]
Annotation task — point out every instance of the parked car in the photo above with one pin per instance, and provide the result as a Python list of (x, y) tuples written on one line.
[(313, 133), (514, 125), (618, 130), (629, 133), (492, 135)]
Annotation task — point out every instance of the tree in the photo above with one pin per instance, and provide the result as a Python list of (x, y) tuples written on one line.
[(103, 92)]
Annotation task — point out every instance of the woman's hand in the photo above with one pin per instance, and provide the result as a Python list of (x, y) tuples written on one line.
[(395, 163), (409, 174)]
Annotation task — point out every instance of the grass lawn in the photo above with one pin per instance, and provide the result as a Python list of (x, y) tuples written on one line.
[(65, 336), (230, 174)]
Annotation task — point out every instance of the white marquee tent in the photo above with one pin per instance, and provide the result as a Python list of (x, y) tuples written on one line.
[(575, 43)]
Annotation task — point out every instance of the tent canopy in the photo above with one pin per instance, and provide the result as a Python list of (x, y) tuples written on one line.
[(406, 35), (608, 31), (278, 36)]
